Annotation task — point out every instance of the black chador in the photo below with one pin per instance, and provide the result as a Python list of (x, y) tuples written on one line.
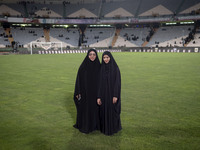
[(85, 95), (109, 87)]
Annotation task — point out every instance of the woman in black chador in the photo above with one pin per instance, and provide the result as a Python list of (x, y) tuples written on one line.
[(109, 95), (85, 94)]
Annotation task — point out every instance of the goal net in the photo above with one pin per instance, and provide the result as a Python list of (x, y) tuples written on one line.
[(46, 47)]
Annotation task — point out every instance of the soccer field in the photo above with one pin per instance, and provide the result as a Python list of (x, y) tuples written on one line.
[(160, 103)]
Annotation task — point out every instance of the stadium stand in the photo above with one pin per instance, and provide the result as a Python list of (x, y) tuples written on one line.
[(196, 40), (45, 10), (69, 36), (189, 7), (10, 10), (132, 37), (98, 37), (24, 36), (158, 8), (82, 10), (121, 15), (169, 36), (4, 42), (126, 10)]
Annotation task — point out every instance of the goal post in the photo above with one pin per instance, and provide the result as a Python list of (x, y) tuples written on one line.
[(46, 47)]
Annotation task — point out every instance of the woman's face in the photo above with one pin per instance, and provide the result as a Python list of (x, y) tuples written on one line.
[(106, 59), (92, 56)]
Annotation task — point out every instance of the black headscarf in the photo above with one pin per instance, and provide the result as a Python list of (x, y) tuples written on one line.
[(90, 68), (87, 63), (112, 70)]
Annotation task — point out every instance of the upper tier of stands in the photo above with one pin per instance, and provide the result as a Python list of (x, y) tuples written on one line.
[(126, 8)]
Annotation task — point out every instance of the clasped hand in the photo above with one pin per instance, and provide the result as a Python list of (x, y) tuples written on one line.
[(99, 101)]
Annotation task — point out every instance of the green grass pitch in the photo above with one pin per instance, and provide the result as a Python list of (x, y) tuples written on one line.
[(160, 103)]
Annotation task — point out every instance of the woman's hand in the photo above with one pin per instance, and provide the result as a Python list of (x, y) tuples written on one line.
[(78, 97), (114, 100), (99, 101)]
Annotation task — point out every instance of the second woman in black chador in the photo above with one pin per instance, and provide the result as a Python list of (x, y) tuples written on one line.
[(109, 95), (85, 94)]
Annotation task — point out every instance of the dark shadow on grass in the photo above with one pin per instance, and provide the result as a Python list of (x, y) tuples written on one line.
[(70, 106), (94, 141), (91, 141), (40, 144)]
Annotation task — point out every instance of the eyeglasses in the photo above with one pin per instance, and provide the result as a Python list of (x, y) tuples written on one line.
[(92, 54)]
